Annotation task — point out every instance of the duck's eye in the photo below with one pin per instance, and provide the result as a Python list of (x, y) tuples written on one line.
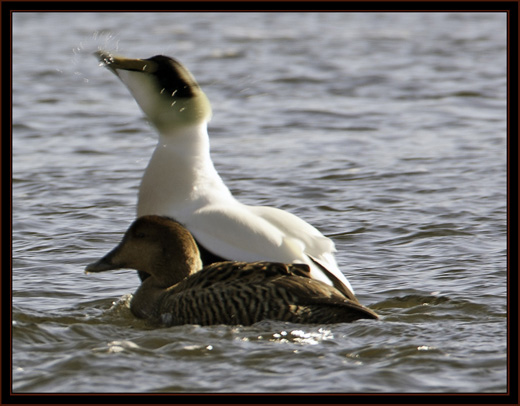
[(140, 234)]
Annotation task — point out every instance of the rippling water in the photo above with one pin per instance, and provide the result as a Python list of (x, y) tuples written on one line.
[(387, 131)]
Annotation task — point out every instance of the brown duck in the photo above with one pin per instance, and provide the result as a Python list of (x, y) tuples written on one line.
[(175, 290)]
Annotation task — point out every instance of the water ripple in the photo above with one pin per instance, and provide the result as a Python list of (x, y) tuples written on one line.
[(394, 146)]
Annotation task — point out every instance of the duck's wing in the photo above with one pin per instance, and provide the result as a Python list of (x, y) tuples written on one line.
[(321, 303), (314, 242), (231, 231), (228, 273), (227, 292), (336, 282), (254, 233), (245, 293)]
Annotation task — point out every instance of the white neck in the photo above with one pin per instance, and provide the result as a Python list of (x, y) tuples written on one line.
[(180, 175)]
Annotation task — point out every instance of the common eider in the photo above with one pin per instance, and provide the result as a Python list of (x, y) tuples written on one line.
[(181, 182), (175, 291)]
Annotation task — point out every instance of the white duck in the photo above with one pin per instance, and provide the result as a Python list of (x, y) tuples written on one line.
[(181, 182)]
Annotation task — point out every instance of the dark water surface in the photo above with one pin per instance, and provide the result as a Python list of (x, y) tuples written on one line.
[(385, 131)]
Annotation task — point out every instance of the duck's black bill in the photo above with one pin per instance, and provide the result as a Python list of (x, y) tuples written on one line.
[(100, 266)]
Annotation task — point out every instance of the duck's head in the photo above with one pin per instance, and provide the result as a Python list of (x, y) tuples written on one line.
[(165, 90), (159, 248)]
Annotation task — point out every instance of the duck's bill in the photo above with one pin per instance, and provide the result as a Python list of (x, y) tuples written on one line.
[(109, 262), (101, 265), (118, 62)]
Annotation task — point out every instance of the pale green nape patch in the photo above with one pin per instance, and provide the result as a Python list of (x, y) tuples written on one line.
[(166, 111)]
